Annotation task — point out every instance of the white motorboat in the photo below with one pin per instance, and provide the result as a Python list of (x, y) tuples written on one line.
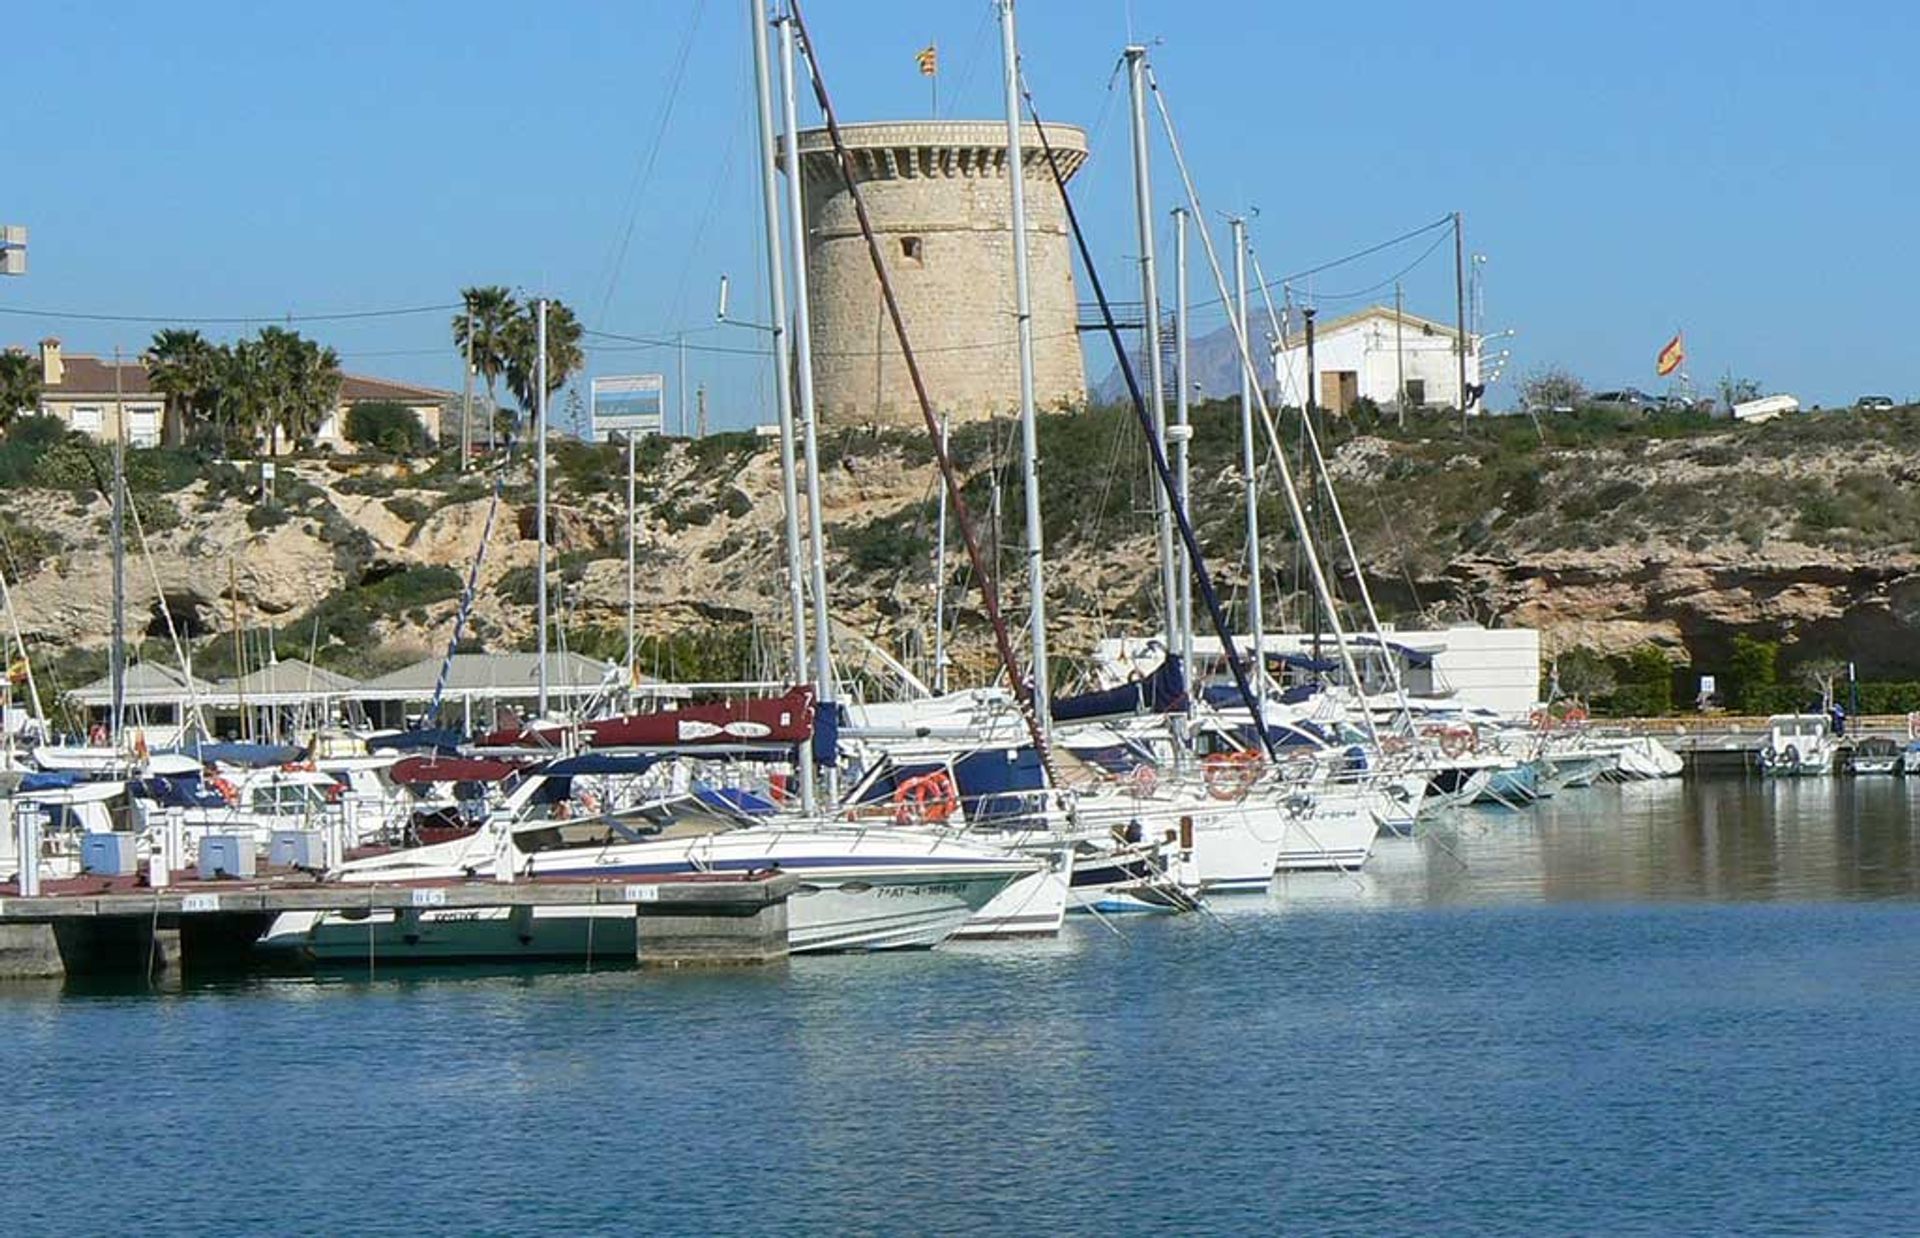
[(1796, 745), (862, 888)]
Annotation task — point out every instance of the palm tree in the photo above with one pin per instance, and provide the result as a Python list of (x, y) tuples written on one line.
[(184, 367), (19, 385), (491, 311), (564, 358), (244, 396), (315, 391), (297, 383)]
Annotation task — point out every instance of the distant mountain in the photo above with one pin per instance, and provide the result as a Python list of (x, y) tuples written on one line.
[(1213, 358)]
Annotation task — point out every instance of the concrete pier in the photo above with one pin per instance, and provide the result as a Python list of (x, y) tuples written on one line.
[(115, 926)]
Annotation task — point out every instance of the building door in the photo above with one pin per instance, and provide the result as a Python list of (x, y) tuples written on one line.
[(1339, 389)]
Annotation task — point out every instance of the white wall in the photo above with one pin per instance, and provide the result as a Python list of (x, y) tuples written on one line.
[(1367, 348)]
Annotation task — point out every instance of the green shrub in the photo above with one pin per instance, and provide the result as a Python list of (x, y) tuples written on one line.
[(1753, 672), (408, 508), (386, 426)]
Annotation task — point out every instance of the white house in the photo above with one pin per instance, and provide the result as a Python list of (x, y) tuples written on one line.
[(1369, 353)]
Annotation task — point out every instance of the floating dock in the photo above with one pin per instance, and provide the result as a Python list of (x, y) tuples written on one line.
[(92, 925)]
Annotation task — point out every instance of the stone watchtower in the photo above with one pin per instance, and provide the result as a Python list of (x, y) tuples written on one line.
[(938, 196)]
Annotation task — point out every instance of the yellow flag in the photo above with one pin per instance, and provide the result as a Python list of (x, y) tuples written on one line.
[(929, 58)]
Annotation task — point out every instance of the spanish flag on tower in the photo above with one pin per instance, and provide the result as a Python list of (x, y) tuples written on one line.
[(1673, 356), (929, 58)]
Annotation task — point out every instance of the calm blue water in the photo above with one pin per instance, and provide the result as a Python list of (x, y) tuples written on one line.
[(1685, 1008)]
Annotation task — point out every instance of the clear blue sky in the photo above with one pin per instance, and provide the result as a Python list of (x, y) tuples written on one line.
[(1742, 170)]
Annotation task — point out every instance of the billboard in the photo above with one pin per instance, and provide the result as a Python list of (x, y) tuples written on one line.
[(627, 404)]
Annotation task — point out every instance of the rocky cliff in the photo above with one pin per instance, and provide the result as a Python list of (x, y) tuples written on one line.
[(1603, 534)]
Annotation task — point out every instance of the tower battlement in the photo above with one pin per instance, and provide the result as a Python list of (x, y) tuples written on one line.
[(937, 194)]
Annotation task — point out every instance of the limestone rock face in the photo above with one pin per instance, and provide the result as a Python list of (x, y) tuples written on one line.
[(1682, 544)]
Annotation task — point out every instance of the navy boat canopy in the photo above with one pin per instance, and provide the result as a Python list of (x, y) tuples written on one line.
[(1159, 693)]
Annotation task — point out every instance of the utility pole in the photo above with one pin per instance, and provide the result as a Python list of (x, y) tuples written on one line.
[(1400, 352), (700, 409), (1460, 314), (466, 403), (680, 343)]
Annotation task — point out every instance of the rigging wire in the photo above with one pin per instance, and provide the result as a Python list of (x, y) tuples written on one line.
[(643, 175)]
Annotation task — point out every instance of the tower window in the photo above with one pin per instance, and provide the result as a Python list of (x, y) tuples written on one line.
[(910, 248)]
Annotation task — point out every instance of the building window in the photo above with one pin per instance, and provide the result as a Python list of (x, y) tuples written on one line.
[(1417, 392), (143, 426), (85, 419), (910, 249)]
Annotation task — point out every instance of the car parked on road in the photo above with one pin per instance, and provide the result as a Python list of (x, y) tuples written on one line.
[(1874, 403)]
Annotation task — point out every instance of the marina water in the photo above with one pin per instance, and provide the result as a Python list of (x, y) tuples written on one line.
[(1684, 1006)]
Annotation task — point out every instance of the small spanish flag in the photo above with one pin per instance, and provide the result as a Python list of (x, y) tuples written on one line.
[(1672, 356), (17, 672), (929, 58)]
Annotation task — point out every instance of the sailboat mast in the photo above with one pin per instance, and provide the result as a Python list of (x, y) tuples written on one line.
[(117, 664), (1249, 469), (1182, 431), (940, 585), (1023, 321), (803, 379), (1150, 330), (782, 369), (540, 501)]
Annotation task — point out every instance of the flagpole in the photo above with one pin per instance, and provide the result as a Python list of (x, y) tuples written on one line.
[(933, 79)]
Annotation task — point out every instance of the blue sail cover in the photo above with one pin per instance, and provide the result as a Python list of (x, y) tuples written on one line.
[(1162, 692), (827, 721)]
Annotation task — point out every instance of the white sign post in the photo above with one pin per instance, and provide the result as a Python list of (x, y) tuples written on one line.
[(632, 404)]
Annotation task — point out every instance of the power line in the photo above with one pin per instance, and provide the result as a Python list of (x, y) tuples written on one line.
[(1445, 221), (231, 320)]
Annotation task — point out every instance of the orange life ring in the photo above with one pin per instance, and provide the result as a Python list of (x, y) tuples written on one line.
[(1541, 720), (227, 790), (1457, 741), (1230, 775), (297, 767), (1574, 715), (926, 797)]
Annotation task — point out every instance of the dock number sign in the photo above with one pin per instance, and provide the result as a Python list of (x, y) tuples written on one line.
[(629, 404)]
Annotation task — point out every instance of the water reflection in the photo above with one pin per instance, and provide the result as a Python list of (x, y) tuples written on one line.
[(1713, 839)]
